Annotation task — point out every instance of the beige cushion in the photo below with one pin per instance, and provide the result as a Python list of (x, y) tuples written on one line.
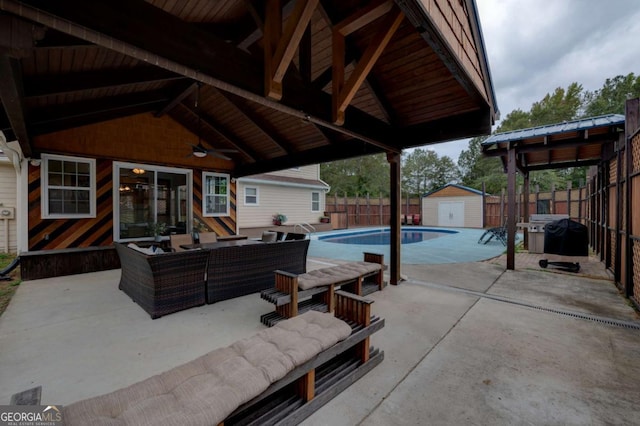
[(336, 274), (209, 388)]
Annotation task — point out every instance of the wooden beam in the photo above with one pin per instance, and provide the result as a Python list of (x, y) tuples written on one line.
[(263, 125), (474, 123), (363, 17), (182, 92), (511, 209), (347, 149), (223, 133), (61, 117), (366, 63), (280, 48), (394, 197), (12, 96), (58, 84), (293, 32)]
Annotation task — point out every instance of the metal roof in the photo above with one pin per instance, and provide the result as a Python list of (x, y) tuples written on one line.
[(552, 129)]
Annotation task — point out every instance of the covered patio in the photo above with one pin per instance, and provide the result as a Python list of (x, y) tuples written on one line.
[(463, 343)]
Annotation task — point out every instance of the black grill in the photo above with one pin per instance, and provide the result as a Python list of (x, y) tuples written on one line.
[(567, 238)]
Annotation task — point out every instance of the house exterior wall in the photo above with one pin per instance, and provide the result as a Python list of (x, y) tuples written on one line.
[(472, 208), (304, 172), (108, 142), (8, 198), (293, 202)]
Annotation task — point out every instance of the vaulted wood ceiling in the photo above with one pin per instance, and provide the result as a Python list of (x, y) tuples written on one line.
[(284, 83)]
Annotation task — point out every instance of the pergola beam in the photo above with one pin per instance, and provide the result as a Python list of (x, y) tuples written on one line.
[(11, 93), (280, 48), (343, 93)]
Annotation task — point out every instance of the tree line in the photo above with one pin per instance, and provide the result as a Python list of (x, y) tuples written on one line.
[(423, 170)]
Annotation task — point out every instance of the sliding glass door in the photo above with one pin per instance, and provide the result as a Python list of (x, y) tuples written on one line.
[(150, 195)]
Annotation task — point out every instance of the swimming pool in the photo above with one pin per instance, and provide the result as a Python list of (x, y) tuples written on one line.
[(452, 245), (383, 236)]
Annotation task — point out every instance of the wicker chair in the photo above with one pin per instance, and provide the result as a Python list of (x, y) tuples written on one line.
[(163, 283)]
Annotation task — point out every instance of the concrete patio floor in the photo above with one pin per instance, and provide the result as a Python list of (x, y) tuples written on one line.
[(464, 344)]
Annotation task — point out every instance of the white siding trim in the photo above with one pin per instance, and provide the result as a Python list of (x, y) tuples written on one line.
[(277, 183)]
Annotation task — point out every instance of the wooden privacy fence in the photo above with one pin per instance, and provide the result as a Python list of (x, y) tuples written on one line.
[(573, 202), (370, 211)]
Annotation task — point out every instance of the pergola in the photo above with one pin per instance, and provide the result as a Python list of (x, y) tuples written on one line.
[(272, 84), (583, 142)]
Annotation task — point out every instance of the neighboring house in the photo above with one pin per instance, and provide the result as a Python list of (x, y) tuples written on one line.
[(8, 199), (453, 206), (297, 193)]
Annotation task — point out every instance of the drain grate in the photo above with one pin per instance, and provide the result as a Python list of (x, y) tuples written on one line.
[(572, 314)]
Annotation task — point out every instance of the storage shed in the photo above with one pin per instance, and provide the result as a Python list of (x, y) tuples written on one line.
[(454, 206)]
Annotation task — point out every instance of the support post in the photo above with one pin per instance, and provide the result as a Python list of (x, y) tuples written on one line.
[(502, 207), (632, 118), (484, 206), (511, 208), (569, 198), (394, 198), (525, 215)]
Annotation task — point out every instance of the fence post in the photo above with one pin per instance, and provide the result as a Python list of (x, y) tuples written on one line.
[(380, 209), (502, 207), (368, 210), (553, 198), (537, 197)]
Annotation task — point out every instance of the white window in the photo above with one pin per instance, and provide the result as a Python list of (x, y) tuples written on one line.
[(68, 187), (250, 196), (315, 201), (215, 194)]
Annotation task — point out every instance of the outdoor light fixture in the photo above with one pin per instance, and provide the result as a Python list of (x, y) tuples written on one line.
[(199, 154), (138, 171)]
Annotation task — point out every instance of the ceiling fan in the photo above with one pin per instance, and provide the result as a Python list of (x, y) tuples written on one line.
[(200, 150)]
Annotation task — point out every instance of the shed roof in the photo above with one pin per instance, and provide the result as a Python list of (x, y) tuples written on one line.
[(455, 185)]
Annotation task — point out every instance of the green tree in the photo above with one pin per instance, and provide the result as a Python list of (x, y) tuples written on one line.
[(561, 105), (611, 98), (357, 176), (515, 120), (477, 169), (423, 170)]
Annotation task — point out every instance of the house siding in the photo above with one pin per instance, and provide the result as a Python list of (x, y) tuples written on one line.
[(305, 172), (108, 142), (293, 202), (8, 188)]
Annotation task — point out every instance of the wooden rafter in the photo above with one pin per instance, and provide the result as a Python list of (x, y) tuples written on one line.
[(180, 95), (11, 93), (59, 117), (224, 133), (264, 126), (37, 86), (343, 93), (280, 46)]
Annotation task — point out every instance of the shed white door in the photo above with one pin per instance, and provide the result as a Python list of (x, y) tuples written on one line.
[(451, 213)]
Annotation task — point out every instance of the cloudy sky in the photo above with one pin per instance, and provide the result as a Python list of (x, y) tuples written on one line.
[(535, 46)]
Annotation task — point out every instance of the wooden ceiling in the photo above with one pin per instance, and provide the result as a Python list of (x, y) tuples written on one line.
[(285, 83)]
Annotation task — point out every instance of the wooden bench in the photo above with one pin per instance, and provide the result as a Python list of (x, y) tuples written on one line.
[(294, 294), (301, 389)]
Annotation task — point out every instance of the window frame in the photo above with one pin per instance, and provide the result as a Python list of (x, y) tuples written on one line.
[(319, 201), (206, 175), (257, 196), (45, 187)]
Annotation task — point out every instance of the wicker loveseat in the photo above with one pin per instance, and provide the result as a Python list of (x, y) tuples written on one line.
[(239, 270), (163, 283)]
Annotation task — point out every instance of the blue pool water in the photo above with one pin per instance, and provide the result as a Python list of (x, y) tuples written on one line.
[(383, 237)]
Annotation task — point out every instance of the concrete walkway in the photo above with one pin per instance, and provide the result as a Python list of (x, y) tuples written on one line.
[(464, 344)]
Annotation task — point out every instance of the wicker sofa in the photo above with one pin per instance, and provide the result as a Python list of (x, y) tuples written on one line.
[(239, 270), (163, 283)]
